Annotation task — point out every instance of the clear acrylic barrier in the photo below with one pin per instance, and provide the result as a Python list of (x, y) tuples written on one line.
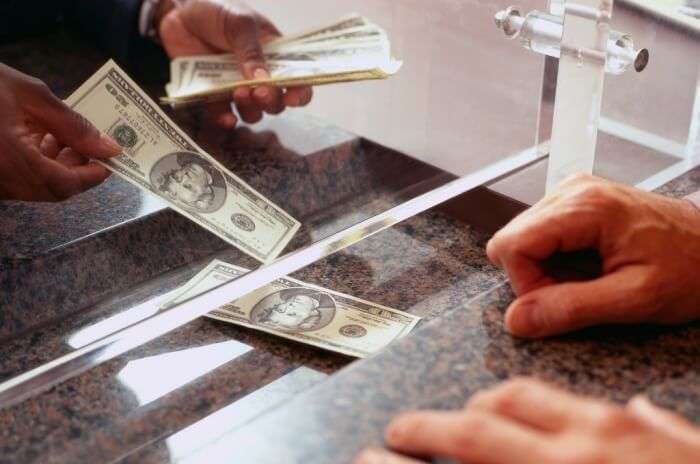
[(465, 106)]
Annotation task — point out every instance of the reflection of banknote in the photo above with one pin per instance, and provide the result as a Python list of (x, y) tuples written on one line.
[(159, 158), (352, 49), (304, 313)]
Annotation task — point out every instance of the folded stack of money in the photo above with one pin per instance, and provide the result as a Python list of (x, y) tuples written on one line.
[(351, 49)]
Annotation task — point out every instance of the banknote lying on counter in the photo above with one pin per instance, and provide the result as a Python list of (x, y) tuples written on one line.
[(351, 49), (160, 158), (303, 312)]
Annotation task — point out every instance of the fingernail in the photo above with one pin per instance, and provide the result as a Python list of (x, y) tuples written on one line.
[(394, 432), (523, 320), (109, 145), (262, 93), (241, 93), (261, 73), (369, 456)]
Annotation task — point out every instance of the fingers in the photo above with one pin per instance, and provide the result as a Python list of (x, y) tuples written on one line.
[(69, 158), (243, 39), (221, 114), (298, 96), (577, 216), (536, 404), (556, 309), (381, 456), (71, 128), (90, 175), (248, 109), (471, 436), (49, 146), (664, 421), (67, 175)]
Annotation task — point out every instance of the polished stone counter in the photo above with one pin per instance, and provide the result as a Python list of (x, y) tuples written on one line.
[(425, 266), (441, 365), (212, 392)]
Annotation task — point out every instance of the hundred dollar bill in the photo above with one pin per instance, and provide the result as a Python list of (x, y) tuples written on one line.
[(304, 313), (211, 91), (210, 73), (352, 21), (161, 159), (352, 49)]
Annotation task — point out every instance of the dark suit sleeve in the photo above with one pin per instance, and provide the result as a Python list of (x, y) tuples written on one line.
[(20, 18), (111, 24)]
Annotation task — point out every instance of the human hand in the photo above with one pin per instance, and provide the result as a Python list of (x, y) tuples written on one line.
[(650, 250), (525, 421), (44, 145), (196, 27)]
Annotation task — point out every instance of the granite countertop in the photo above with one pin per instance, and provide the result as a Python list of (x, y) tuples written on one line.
[(443, 363), (212, 392)]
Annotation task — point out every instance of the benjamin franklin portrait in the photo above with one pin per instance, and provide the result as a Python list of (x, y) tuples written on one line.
[(294, 310), (190, 181)]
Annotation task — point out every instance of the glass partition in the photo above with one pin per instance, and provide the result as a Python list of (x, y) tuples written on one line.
[(468, 109)]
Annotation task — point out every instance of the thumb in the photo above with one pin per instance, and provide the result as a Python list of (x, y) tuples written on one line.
[(245, 44), (71, 129), (565, 307)]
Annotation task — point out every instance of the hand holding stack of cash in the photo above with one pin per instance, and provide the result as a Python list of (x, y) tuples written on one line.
[(351, 49)]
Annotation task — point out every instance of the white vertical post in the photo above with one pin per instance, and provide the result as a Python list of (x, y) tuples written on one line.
[(579, 88)]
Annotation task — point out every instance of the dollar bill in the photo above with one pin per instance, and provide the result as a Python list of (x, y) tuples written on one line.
[(352, 49), (351, 21), (161, 159), (206, 75), (304, 313)]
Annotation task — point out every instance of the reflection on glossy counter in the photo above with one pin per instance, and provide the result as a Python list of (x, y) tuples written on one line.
[(133, 404), (213, 392)]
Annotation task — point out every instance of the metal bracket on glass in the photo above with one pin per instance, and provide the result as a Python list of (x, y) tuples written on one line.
[(578, 34)]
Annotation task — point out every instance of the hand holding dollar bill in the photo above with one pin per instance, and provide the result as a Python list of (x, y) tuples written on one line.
[(351, 49), (161, 159), (303, 312)]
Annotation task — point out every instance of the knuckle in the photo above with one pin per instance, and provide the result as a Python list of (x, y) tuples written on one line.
[(467, 434), (40, 86), (81, 126), (576, 179), (508, 396), (594, 192), (614, 421)]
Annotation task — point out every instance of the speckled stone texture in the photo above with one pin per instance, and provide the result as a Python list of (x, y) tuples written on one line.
[(145, 406), (124, 236), (446, 361), (425, 266)]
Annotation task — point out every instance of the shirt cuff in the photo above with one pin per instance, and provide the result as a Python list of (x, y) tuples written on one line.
[(146, 16)]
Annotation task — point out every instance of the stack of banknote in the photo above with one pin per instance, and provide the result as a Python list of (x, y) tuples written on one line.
[(351, 49)]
